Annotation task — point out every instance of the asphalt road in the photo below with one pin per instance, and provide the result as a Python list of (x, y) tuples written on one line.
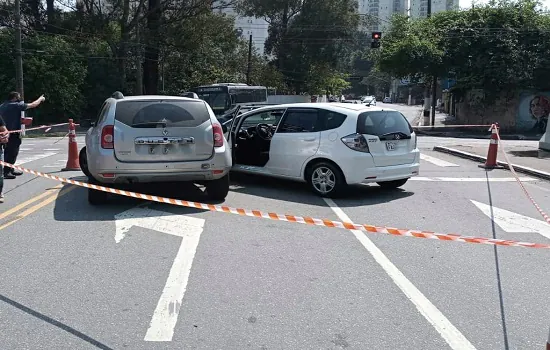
[(65, 282)]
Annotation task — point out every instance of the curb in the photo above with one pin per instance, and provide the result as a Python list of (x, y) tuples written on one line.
[(519, 168), (461, 135)]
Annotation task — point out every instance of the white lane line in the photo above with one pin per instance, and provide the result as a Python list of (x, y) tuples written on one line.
[(32, 158), (470, 179), (437, 161), (52, 149), (165, 317), (26, 149), (446, 329)]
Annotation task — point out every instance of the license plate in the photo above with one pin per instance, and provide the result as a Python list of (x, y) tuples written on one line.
[(390, 146)]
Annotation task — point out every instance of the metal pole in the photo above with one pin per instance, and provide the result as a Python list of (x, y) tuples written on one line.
[(434, 79), (18, 50), (249, 69)]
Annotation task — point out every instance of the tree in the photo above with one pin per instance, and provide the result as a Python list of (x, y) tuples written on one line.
[(500, 47)]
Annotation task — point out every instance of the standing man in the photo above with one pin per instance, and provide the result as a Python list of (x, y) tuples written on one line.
[(3, 140), (10, 111)]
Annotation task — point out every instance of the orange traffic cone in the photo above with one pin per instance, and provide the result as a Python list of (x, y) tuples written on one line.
[(491, 161), (72, 162)]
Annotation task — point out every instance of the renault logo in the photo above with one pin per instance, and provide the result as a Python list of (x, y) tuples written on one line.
[(165, 132), (397, 136)]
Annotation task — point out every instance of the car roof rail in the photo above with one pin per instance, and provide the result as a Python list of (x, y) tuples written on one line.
[(117, 95), (190, 94)]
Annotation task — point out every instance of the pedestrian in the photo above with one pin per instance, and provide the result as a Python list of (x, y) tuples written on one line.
[(10, 111), (4, 136)]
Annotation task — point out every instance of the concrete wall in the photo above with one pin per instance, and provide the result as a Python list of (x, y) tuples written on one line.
[(525, 112)]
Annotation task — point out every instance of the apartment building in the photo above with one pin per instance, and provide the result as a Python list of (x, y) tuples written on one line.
[(257, 27), (378, 12), (419, 8)]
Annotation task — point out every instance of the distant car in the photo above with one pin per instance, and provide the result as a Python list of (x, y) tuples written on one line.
[(387, 100), (145, 139), (327, 145), (369, 101)]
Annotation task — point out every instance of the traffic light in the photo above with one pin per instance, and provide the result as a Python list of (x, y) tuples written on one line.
[(375, 43)]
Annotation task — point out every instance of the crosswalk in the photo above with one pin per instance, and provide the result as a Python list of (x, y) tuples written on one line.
[(437, 161)]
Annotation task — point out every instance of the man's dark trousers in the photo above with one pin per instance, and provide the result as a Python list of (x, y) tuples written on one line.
[(11, 151)]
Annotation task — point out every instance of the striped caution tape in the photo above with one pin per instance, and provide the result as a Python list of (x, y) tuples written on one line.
[(291, 218), (38, 128)]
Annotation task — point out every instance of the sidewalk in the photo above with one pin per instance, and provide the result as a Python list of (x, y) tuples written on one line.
[(524, 155), (445, 126)]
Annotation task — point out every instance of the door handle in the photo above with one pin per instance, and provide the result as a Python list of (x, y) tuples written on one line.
[(310, 139)]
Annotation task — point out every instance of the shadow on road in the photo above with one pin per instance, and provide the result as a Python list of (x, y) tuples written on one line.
[(54, 322), (74, 205), (296, 192)]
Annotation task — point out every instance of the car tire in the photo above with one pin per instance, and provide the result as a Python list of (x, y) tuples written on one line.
[(324, 173), (83, 162), (393, 184), (218, 189), (96, 197)]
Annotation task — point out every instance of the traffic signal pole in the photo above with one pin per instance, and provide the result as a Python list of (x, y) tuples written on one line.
[(434, 80), (18, 50)]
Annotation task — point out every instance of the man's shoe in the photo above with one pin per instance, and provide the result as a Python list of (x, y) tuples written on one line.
[(1, 198), (9, 176), (17, 172)]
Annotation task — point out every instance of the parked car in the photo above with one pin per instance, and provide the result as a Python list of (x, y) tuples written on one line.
[(146, 139), (387, 99), (327, 145), (369, 100)]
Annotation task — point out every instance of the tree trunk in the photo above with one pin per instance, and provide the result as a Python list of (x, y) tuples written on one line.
[(150, 66)]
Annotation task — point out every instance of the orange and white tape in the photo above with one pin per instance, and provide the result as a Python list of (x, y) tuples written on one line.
[(291, 218), (453, 126), (38, 128), (539, 209)]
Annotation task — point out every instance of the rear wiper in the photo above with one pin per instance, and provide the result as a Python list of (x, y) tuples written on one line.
[(402, 134), (150, 124)]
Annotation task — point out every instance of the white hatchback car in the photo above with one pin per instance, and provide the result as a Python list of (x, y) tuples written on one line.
[(327, 145)]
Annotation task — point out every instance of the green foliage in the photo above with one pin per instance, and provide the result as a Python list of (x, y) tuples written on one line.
[(497, 47), (311, 41), (51, 66)]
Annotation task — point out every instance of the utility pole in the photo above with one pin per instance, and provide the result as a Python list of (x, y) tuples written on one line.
[(249, 68), (139, 71), (434, 79), (18, 50)]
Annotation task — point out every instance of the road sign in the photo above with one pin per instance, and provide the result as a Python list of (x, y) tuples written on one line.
[(189, 229), (513, 222)]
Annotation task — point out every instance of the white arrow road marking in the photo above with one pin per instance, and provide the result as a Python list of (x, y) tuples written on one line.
[(437, 161), (513, 222), (190, 229)]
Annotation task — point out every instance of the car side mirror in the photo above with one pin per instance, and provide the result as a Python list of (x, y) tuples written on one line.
[(86, 123)]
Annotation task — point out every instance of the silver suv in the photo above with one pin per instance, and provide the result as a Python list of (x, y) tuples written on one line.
[(144, 139)]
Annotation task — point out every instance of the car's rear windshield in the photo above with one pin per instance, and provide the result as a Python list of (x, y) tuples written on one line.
[(161, 113), (380, 123)]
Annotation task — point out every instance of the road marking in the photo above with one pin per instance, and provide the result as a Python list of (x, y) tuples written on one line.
[(470, 179), (437, 161), (56, 195), (190, 229), (18, 207), (513, 222), (446, 329), (52, 149), (26, 149), (34, 157)]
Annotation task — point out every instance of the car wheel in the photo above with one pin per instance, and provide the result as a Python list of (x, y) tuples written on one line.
[(393, 184), (96, 197), (218, 189), (326, 180), (83, 161)]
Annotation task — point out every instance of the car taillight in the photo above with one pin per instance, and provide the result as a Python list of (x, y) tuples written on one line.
[(356, 142), (218, 135), (107, 137)]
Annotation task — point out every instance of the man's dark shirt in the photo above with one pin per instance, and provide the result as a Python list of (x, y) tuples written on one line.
[(10, 111)]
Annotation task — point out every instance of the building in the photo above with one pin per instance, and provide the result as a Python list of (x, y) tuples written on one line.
[(379, 12), (419, 8), (247, 26)]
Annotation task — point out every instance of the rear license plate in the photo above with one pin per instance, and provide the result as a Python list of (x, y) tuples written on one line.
[(390, 146)]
